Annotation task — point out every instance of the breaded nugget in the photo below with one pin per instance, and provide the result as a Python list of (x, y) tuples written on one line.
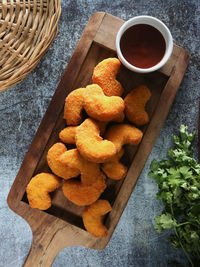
[(121, 134), (83, 195), (135, 103), (114, 169), (102, 126), (73, 107), (93, 217), (91, 145), (105, 76), (89, 171), (101, 107), (56, 166), (119, 118), (38, 190), (67, 135)]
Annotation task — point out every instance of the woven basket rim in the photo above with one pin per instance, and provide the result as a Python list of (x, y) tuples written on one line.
[(27, 29)]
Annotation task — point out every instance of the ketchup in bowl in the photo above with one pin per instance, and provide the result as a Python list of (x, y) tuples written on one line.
[(142, 45)]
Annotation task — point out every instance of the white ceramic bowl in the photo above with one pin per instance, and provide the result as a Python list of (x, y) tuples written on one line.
[(160, 26)]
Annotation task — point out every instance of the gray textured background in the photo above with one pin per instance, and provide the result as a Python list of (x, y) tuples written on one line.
[(134, 242)]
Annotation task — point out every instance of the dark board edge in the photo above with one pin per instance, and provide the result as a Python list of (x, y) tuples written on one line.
[(145, 147), (48, 231), (47, 124)]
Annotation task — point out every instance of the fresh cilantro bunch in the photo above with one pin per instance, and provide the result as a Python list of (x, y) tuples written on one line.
[(178, 180)]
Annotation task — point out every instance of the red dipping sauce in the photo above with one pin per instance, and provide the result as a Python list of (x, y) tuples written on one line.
[(143, 46)]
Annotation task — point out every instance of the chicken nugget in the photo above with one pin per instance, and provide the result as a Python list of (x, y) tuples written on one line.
[(74, 107), (121, 134), (135, 103), (119, 118), (91, 145), (67, 135), (89, 171), (38, 190), (81, 194), (56, 166), (105, 76), (114, 169), (102, 107), (102, 126), (93, 216)]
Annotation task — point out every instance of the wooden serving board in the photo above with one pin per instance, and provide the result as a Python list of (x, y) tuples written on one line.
[(61, 226)]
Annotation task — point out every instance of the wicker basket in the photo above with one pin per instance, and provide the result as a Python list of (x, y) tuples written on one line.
[(27, 28)]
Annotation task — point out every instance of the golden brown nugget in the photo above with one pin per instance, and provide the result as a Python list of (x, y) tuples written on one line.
[(38, 190), (135, 103), (93, 216), (89, 171), (102, 126), (91, 145), (102, 107), (119, 118), (121, 134), (74, 107), (83, 195), (67, 135), (56, 166), (114, 169), (105, 76)]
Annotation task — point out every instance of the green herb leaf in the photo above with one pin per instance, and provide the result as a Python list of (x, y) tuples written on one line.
[(178, 179), (164, 221)]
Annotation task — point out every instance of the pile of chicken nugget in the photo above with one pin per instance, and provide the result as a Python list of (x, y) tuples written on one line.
[(98, 145)]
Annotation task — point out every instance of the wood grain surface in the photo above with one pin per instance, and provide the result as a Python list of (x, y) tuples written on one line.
[(61, 226)]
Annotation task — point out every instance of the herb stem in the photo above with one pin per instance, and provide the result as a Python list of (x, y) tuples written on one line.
[(187, 255), (184, 223), (175, 230)]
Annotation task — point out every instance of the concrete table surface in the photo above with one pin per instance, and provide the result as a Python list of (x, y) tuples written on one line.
[(134, 242)]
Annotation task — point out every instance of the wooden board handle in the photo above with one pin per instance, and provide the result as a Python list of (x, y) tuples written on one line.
[(51, 236), (48, 242), (40, 255)]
